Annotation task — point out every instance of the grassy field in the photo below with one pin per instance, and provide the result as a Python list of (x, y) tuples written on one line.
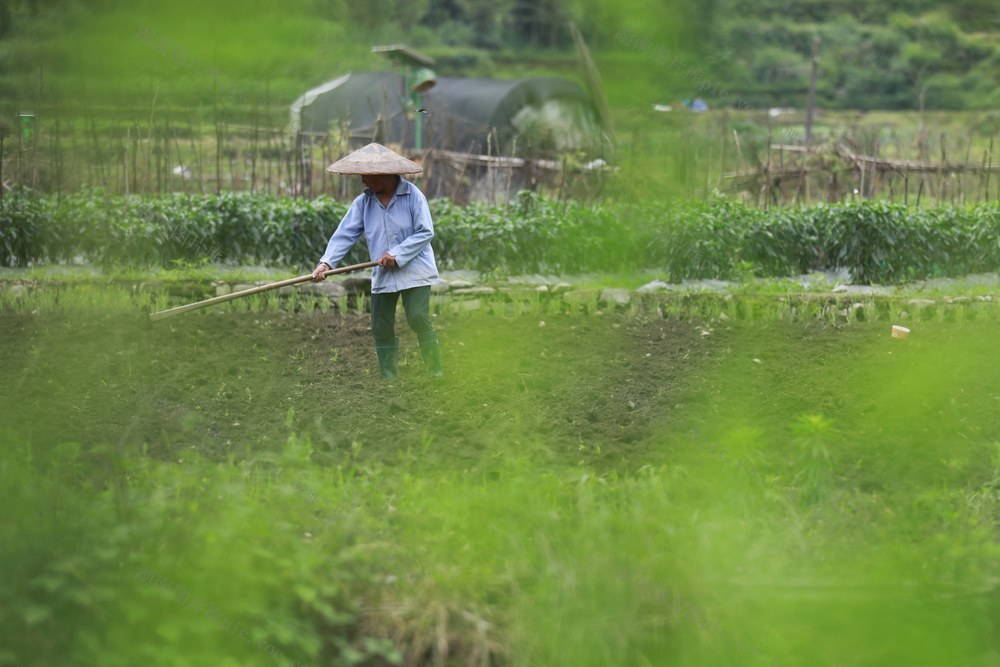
[(237, 487)]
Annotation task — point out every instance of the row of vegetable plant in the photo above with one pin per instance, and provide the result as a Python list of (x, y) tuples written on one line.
[(719, 238)]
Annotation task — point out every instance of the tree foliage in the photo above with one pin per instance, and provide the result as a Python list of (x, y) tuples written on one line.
[(896, 54), (889, 55)]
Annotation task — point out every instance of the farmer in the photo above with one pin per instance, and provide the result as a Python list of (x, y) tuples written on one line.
[(397, 225)]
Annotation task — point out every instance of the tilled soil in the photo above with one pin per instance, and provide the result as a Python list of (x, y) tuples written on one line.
[(604, 390), (220, 384)]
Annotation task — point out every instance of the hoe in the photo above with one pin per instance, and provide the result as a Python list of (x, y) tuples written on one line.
[(253, 290)]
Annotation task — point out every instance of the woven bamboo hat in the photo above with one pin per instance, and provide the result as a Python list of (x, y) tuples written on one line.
[(374, 159)]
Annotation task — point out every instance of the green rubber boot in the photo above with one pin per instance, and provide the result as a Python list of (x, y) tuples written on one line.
[(387, 355), (430, 350)]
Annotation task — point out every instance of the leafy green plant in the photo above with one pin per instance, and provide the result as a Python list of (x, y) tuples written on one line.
[(813, 436)]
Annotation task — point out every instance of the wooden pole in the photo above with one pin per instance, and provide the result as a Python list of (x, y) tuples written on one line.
[(128, 142), (941, 167), (988, 171), (766, 189), (781, 170), (253, 149), (253, 290), (196, 153), (962, 194), (722, 149), (181, 162), (218, 157)]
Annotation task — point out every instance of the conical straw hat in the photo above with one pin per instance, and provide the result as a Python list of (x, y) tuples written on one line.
[(374, 159)]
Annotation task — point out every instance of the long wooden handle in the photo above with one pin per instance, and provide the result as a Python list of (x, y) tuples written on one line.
[(170, 312)]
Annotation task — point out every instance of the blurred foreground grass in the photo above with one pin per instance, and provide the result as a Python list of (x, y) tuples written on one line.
[(699, 563)]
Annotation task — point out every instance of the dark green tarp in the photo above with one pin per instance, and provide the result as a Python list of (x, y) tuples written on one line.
[(531, 116)]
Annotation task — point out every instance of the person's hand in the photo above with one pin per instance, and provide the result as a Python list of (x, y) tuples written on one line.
[(387, 261), (318, 272)]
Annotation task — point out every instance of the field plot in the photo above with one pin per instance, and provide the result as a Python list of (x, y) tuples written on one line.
[(240, 488)]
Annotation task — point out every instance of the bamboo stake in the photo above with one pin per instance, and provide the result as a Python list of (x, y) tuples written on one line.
[(128, 141), (58, 153), (134, 152), (962, 194), (218, 157), (781, 166), (982, 175), (299, 174), (253, 290), (944, 163), (988, 173), (253, 149), (151, 143), (196, 152), (766, 189), (182, 163), (723, 136), (272, 167)]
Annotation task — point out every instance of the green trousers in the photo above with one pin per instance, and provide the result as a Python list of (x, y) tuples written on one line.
[(416, 306)]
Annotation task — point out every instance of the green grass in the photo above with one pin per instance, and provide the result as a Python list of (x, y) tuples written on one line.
[(237, 488)]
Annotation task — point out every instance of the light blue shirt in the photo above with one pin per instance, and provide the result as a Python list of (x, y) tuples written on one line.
[(403, 229)]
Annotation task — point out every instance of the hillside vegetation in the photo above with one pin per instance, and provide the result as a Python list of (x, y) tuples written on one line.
[(107, 58)]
